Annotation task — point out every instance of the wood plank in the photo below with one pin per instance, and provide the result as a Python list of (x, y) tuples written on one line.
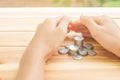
[(99, 74), (15, 38), (96, 74), (11, 54), (32, 12), (64, 66), (20, 24), (26, 24), (14, 54)]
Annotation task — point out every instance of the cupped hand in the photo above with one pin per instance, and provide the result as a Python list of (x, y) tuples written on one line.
[(49, 35), (78, 27), (105, 31)]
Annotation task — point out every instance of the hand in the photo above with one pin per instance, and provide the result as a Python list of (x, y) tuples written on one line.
[(105, 31), (50, 34), (78, 27)]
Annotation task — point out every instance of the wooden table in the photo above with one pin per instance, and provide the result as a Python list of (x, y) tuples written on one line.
[(17, 27)]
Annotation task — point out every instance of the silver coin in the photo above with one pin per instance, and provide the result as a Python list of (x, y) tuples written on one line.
[(83, 52), (63, 51), (78, 38), (91, 53), (88, 45), (73, 49), (76, 56), (68, 45)]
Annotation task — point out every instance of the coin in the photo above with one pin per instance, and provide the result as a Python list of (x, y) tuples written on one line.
[(76, 56), (83, 52), (88, 45), (68, 45), (73, 49), (63, 51), (91, 53)]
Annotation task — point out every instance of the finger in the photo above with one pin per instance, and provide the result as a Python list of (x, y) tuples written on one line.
[(75, 23), (52, 22), (77, 26), (63, 24), (102, 20), (69, 28), (85, 31), (106, 20), (97, 19), (89, 23), (86, 35), (57, 20)]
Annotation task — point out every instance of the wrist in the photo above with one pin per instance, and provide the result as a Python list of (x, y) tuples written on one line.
[(38, 47), (40, 51)]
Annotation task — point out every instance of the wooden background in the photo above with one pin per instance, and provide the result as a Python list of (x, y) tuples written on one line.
[(17, 27), (25, 3)]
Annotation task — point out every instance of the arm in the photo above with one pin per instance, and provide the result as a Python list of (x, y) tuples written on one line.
[(49, 36)]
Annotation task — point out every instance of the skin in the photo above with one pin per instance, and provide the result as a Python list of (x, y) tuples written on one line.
[(78, 27), (52, 32), (102, 28)]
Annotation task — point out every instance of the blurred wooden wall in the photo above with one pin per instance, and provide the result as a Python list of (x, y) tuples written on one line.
[(25, 3)]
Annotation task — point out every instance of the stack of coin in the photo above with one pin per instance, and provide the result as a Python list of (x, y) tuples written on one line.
[(78, 40), (78, 49)]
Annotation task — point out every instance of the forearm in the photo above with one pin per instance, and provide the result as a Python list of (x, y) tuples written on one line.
[(31, 66), (32, 62)]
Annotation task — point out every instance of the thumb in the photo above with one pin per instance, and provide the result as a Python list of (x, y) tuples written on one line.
[(89, 23)]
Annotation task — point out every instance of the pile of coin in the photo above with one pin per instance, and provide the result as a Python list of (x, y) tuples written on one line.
[(79, 49)]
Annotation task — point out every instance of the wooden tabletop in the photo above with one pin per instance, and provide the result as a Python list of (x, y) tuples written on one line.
[(17, 27)]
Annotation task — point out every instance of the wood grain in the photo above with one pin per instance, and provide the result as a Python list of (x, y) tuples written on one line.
[(27, 24), (15, 38), (17, 27), (14, 54)]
